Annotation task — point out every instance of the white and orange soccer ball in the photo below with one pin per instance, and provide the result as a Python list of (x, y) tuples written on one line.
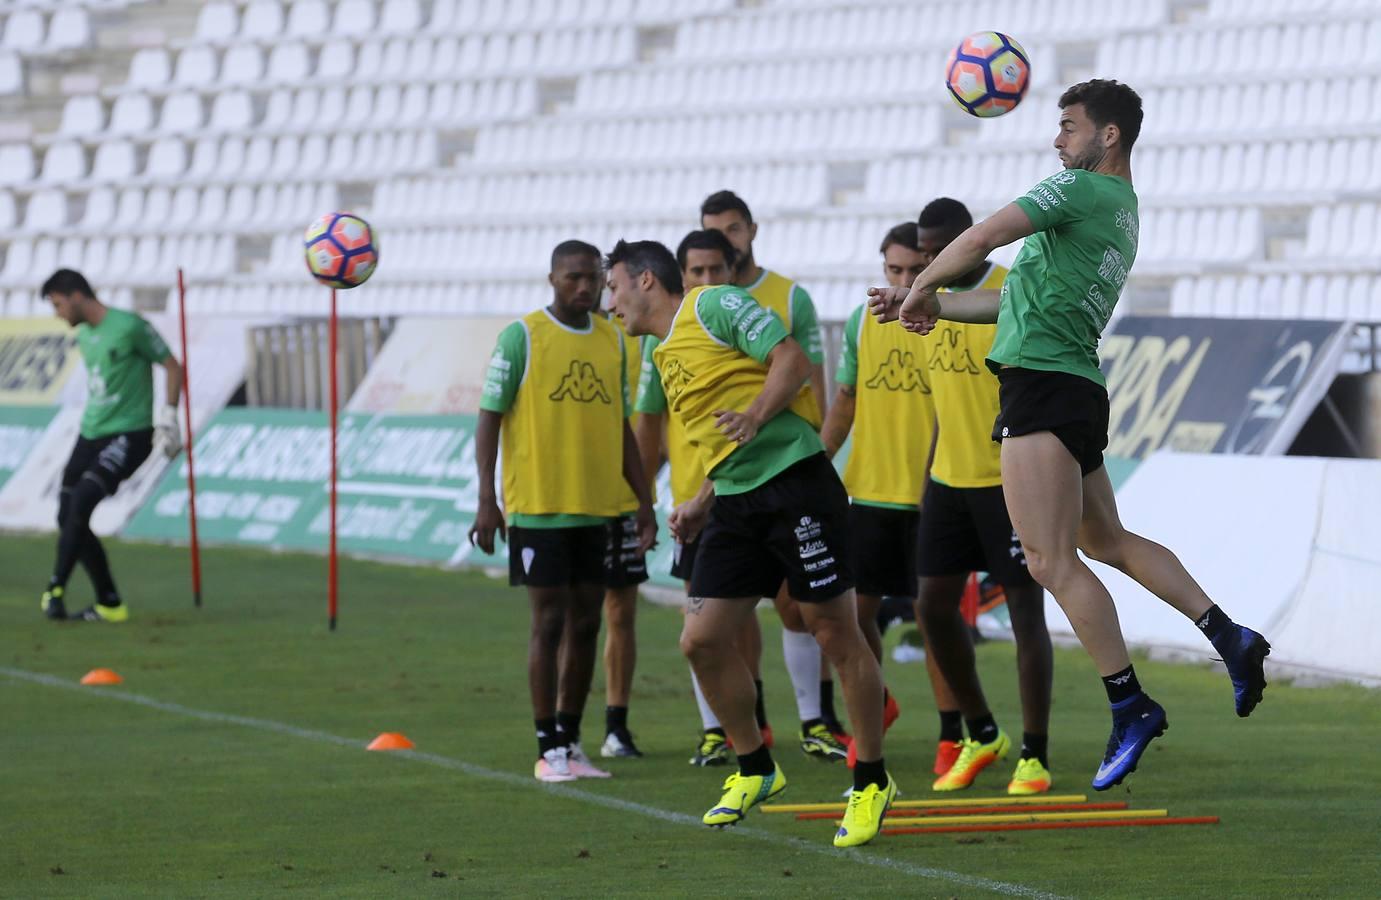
[(342, 251), (988, 74)]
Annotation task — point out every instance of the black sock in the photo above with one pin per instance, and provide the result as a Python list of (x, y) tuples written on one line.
[(717, 730), (983, 729), (547, 737), (827, 701), (568, 725), (1215, 624), (109, 600), (759, 710), (615, 719), (808, 724), (1121, 686), (866, 773), (759, 762), (1035, 746), (951, 725)]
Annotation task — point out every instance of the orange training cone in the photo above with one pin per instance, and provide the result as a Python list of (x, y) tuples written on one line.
[(101, 676), (391, 740)]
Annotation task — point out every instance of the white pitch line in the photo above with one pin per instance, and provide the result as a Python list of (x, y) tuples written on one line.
[(867, 858)]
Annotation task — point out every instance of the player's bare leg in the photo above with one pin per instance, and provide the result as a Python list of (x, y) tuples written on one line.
[(835, 626), (709, 642), (579, 651), (620, 661), (1044, 492)]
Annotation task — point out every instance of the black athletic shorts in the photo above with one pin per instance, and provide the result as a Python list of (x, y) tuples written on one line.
[(883, 544), (557, 557), (683, 559), (794, 527), (624, 563), (108, 460), (968, 530), (1071, 407)]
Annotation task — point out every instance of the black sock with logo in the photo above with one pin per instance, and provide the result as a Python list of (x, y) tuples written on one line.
[(1121, 686), (983, 729), (547, 736)]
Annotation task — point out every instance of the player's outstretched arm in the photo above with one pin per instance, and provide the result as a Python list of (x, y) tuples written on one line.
[(922, 309), (488, 518)]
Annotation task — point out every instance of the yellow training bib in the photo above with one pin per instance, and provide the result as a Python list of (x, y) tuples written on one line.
[(894, 418), (965, 394), (701, 374), (563, 437)]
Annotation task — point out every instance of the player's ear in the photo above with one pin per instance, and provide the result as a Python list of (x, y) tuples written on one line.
[(551, 279), (752, 231), (1111, 135)]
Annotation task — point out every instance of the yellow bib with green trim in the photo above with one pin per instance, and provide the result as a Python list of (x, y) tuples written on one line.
[(701, 374), (563, 436), (894, 418)]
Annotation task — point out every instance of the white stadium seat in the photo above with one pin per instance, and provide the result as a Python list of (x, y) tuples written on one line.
[(262, 21), (11, 74), (8, 212), (167, 159), (289, 63), (196, 66), (233, 111), (182, 113), (242, 64), (149, 68), (69, 29), (82, 116), (115, 161), (217, 23), (24, 30), (309, 19), (100, 209), (47, 212), (64, 162), (353, 17), (131, 114)]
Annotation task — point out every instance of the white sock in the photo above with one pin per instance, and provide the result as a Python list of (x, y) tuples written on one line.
[(708, 719), (803, 665)]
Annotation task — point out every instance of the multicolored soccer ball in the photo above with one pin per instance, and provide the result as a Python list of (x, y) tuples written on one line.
[(341, 250), (988, 74)]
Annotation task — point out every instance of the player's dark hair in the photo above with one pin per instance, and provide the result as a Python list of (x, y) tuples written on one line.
[(67, 281), (1108, 102), (647, 256), (946, 213), (573, 248), (725, 201), (906, 234), (709, 239)]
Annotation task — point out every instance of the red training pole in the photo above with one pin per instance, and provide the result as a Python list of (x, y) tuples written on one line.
[(331, 576), (191, 439)]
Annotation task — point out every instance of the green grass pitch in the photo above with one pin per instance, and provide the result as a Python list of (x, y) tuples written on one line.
[(193, 791)]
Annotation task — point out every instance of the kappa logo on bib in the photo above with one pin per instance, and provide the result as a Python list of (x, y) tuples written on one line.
[(899, 372), (582, 384)]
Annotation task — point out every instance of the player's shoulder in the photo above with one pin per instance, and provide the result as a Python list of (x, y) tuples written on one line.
[(719, 296)]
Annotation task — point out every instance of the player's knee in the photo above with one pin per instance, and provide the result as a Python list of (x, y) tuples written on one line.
[(548, 625), (701, 647), (1050, 570), (1105, 548), (620, 615)]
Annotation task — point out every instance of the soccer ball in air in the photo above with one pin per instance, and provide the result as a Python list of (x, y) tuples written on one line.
[(341, 250), (987, 74)]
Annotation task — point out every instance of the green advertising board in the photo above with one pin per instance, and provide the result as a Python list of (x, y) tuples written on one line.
[(406, 487), (21, 428), (406, 484)]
